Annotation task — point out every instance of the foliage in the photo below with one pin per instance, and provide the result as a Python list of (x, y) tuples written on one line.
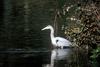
[(90, 33), (95, 57), (67, 19), (95, 53), (80, 21)]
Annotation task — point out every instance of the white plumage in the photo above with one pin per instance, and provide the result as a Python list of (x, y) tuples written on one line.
[(57, 41)]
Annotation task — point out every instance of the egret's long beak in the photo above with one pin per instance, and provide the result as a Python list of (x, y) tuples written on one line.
[(43, 29)]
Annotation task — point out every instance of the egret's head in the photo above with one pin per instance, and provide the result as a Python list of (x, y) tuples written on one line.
[(47, 27)]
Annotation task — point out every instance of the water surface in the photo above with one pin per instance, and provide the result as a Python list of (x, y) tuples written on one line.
[(69, 57)]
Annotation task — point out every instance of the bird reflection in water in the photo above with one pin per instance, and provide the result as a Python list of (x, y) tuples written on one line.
[(58, 55)]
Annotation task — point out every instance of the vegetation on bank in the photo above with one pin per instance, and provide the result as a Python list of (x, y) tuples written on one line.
[(81, 21)]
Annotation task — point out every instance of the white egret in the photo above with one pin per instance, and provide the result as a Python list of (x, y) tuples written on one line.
[(57, 41)]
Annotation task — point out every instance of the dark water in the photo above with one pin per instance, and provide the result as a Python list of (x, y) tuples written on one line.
[(70, 57)]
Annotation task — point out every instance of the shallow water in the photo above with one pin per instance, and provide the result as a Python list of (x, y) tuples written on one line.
[(70, 57)]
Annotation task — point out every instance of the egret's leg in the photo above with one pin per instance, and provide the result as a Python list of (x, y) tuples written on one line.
[(58, 47), (61, 47)]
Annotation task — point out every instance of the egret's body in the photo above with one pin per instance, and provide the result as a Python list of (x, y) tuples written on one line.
[(57, 41)]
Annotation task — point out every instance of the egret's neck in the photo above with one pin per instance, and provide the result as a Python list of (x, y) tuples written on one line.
[(52, 33)]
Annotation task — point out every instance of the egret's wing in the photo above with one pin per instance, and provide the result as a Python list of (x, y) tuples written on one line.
[(62, 41)]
